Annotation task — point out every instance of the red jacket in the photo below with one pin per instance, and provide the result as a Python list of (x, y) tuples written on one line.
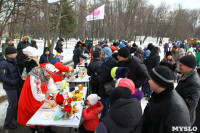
[(62, 68), (91, 116)]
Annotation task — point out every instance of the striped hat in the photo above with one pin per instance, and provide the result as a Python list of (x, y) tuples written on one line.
[(163, 77)]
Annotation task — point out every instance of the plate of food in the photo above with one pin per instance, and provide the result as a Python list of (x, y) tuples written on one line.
[(46, 115)]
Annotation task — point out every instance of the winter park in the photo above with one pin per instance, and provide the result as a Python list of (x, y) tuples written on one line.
[(92, 66)]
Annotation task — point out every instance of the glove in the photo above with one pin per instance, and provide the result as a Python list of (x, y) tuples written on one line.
[(70, 69)]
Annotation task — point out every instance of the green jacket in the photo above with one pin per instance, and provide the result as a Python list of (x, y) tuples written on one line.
[(198, 58), (4, 46)]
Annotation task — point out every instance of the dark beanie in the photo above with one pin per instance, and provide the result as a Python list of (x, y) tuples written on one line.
[(120, 92), (124, 52), (10, 50), (189, 61), (168, 53), (96, 54), (163, 77), (121, 72)]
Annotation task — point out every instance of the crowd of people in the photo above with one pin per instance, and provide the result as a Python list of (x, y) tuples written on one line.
[(121, 74)]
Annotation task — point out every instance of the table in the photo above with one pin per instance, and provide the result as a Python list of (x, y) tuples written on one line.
[(71, 123)]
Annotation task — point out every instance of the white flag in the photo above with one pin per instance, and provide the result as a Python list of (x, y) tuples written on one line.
[(52, 1), (98, 14)]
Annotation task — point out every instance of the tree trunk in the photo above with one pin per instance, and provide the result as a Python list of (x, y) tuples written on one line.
[(56, 28)]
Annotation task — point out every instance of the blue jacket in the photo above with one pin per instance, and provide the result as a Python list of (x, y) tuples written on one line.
[(9, 73)]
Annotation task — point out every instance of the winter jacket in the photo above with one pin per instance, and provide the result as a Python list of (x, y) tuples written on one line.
[(123, 117), (166, 46), (198, 57), (22, 45), (165, 110), (189, 89), (59, 46), (46, 58), (62, 68), (88, 48), (138, 72), (104, 76), (9, 73), (168, 63), (176, 56), (78, 53), (4, 46), (30, 63), (133, 50), (93, 68), (91, 116), (152, 61)]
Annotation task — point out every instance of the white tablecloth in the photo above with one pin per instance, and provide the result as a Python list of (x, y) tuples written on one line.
[(37, 120), (84, 80)]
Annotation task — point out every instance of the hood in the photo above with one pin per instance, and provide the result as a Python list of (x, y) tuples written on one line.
[(97, 108), (126, 112), (54, 60)]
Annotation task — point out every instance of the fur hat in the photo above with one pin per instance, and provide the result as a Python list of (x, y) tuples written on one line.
[(50, 69), (162, 76), (189, 60), (59, 56), (124, 82), (93, 99), (138, 94), (10, 50), (120, 92), (30, 51), (124, 52), (121, 72)]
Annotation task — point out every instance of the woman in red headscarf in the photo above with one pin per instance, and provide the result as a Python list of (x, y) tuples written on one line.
[(33, 92)]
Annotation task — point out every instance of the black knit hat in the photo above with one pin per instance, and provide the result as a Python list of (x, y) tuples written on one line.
[(10, 50), (162, 76), (189, 61), (96, 54), (124, 52), (168, 53), (120, 92)]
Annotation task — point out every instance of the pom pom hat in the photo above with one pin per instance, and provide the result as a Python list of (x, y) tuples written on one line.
[(93, 99)]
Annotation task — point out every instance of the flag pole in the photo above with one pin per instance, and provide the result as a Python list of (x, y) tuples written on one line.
[(93, 23)]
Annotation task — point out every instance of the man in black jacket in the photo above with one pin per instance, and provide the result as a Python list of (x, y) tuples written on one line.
[(92, 70), (137, 70), (59, 45), (11, 79), (46, 56), (166, 109), (189, 85)]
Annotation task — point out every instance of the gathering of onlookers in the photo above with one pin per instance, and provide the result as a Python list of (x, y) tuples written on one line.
[(121, 77)]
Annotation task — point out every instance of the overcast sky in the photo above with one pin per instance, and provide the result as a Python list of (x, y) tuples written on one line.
[(189, 4)]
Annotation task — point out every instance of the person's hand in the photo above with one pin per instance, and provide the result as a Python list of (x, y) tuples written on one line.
[(53, 103)]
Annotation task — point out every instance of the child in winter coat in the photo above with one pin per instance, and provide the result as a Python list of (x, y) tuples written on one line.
[(91, 114), (168, 61)]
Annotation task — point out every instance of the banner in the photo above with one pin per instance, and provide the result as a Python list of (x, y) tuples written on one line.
[(97, 14)]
